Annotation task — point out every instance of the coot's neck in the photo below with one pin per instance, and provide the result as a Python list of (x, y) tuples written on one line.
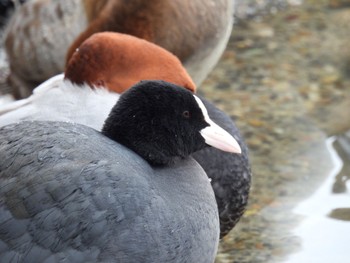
[(141, 142)]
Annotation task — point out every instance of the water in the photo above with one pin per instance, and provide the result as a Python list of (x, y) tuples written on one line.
[(248, 9), (284, 78), (323, 238)]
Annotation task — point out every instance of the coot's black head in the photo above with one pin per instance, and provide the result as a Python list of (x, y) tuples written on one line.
[(161, 121)]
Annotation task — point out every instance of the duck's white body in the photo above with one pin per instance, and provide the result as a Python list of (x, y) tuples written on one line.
[(6, 99), (58, 99)]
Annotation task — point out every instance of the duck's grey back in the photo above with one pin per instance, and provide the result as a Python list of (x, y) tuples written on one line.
[(69, 193), (230, 173)]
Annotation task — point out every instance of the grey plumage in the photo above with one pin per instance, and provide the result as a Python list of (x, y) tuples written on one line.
[(230, 173), (64, 195)]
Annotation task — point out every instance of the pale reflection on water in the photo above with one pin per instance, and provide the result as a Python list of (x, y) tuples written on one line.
[(323, 239)]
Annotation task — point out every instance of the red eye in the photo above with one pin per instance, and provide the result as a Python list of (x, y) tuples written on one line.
[(186, 114)]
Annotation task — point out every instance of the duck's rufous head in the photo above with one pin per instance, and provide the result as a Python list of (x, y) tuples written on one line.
[(118, 61)]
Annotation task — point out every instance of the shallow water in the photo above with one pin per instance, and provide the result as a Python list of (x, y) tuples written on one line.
[(324, 237), (285, 79)]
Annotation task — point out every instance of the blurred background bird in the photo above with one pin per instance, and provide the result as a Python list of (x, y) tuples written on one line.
[(42, 35)]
